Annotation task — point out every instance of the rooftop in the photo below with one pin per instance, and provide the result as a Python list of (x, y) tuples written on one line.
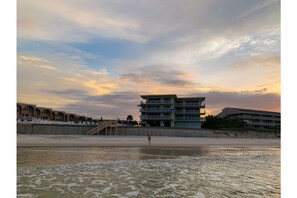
[(251, 110), (169, 95), (158, 95)]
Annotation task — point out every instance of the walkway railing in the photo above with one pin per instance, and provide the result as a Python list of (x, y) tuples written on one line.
[(103, 125), (40, 121)]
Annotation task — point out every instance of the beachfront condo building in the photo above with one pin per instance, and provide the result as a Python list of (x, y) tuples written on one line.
[(256, 118), (171, 111)]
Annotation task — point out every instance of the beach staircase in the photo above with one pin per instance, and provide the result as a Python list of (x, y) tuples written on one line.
[(105, 125)]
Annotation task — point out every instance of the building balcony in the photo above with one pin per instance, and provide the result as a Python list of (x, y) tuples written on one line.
[(142, 103), (190, 104), (190, 112), (156, 110), (247, 117), (157, 117), (251, 117), (190, 119), (267, 118)]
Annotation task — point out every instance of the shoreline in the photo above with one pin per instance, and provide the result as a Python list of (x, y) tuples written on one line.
[(140, 141)]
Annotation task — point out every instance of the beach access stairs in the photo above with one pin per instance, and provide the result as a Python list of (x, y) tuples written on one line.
[(105, 125)]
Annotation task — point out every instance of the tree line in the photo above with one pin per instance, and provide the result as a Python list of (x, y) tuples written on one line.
[(226, 123)]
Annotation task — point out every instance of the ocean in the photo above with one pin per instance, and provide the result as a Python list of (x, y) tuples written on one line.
[(148, 172)]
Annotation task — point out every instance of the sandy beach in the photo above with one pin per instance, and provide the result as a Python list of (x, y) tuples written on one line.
[(139, 141)]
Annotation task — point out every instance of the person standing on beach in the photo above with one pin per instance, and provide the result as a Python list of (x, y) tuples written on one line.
[(149, 139)]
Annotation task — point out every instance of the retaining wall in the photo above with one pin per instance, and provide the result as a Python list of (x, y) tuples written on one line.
[(51, 129), (142, 131)]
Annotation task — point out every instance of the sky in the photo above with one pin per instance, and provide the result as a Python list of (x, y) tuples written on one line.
[(96, 57)]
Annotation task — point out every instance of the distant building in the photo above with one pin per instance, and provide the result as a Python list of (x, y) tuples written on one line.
[(256, 118), (31, 112), (171, 111)]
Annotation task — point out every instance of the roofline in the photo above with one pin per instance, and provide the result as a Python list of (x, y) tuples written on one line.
[(241, 109), (169, 95), (21, 103), (157, 95)]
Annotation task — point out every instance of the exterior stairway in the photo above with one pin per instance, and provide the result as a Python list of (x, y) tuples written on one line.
[(103, 125)]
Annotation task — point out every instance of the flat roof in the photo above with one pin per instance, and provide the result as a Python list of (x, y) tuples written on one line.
[(169, 95), (158, 95), (252, 110)]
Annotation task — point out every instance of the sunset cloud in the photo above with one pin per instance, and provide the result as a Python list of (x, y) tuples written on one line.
[(158, 73), (97, 57), (258, 99)]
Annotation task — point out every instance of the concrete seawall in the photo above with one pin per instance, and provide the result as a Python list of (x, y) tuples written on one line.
[(51, 129), (141, 131)]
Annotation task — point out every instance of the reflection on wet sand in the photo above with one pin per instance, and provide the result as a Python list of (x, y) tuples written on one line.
[(156, 152), (38, 156)]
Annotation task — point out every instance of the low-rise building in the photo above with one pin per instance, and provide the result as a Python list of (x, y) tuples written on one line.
[(31, 112), (171, 111), (256, 118)]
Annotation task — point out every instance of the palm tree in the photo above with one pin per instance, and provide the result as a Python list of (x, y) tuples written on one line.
[(129, 118)]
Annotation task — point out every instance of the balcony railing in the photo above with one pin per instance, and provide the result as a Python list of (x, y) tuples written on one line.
[(158, 101), (153, 101), (190, 112), (248, 117), (155, 109), (155, 117), (179, 111), (189, 119), (200, 104), (192, 103), (263, 123)]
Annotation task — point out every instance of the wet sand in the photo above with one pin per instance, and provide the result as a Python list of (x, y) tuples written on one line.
[(139, 141)]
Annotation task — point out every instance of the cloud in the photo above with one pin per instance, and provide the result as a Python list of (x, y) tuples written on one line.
[(121, 104), (258, 99), (97, 57), (36, 62), (255, 91), (111, 106), (72, 21), (35, 81), (216, 52), (70, 93), (158, 73), (31, 59), (271, 62)]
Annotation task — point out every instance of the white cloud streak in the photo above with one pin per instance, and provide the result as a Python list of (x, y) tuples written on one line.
[(220, 43)]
